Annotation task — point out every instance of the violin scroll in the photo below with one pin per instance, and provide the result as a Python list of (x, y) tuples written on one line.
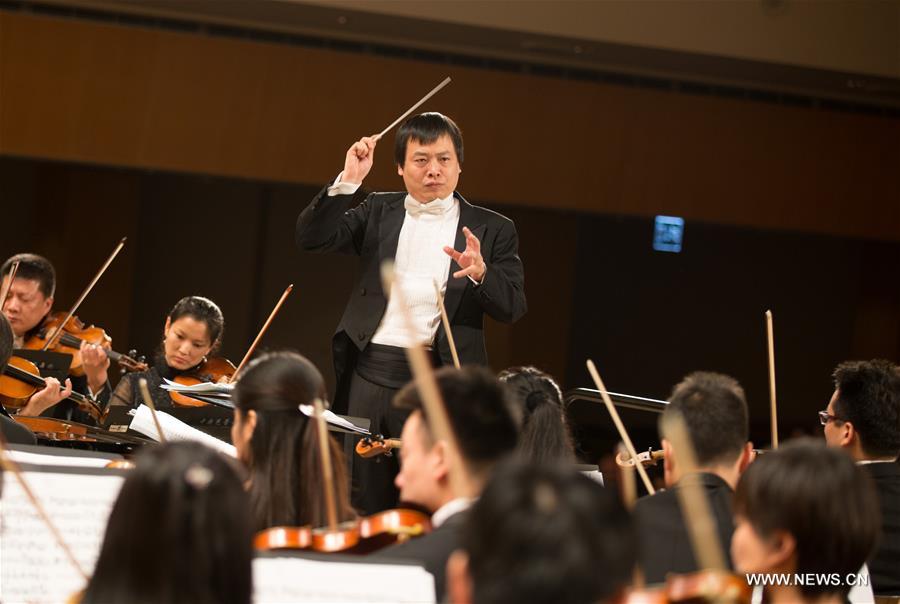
[(372, 446)]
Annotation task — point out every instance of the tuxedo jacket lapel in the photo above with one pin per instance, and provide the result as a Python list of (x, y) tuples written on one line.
[(468, 217), (389, 228)]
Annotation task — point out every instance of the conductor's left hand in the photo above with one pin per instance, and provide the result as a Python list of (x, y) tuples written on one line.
[(470, 261)]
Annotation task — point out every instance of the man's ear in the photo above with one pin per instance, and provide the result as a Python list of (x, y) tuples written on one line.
[(746, 458), (847, 434), (782, 547), (670, 470), (440, 467), (459, 582), (48, 303), (399, 169)]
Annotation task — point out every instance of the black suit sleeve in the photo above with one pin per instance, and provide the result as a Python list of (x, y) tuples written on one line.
[(502, 292), (330, 224)]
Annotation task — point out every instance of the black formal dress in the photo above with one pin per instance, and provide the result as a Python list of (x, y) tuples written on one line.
[(432, 550), (663, 542), (128, 392), (371, 230), (884, 565)]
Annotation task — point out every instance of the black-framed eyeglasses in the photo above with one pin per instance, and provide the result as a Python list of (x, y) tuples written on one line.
[(825, 417)]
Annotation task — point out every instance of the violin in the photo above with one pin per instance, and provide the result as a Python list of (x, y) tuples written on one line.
[(360, 536), (214, 369), (69, 338), (21, 379), (372, 446), (650, 457)]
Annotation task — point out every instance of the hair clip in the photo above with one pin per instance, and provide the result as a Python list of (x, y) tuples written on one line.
[(198, 476)]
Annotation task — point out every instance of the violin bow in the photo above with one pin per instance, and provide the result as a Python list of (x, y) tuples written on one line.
[(325, 454), (12, 467), (148, 400), (423, 374), (623, 433), (4, 292), (773, 407), (59, 328), (433, 92), (699, 519), (446, 321), (265, 327)]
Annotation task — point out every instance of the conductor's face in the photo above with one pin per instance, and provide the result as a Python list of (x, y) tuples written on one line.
[(430, 171)]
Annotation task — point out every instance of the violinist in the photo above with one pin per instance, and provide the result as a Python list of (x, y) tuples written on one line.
[(715, 411), (27, 308), (179, 532), (863, 419), (192, 331), (542, 534), (13, 431), (805, 510), (486, 424), (278, 443), (545, 433)]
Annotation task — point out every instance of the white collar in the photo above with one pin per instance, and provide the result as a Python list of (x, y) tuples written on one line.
[(451, 508)]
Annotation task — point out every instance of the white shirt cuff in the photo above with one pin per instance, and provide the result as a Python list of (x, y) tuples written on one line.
[(342, 188)]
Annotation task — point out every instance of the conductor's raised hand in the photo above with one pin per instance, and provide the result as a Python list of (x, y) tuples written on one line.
[(359, 160), (470, 261)]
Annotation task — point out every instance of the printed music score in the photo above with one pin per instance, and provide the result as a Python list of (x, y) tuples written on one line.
[(174, 429)]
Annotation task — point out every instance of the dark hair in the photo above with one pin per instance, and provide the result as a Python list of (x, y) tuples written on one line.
[(6, 341), (545, 434), (869, 398), (201, 309), (34, 268), (715, 411), (286, 481), (819, 496), (425, 129), (178, 532), (545, 533), (483, 418)]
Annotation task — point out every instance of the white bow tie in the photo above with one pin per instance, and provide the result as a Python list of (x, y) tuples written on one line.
[(437, 207)]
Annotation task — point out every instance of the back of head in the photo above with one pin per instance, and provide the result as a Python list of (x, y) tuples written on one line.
[(545, 434), (6, 341), (426, 128), (33, 268), (285, 474), (715, 411), (869, 398), (546, 534), (178, 532), (819, 496), (484, 420)]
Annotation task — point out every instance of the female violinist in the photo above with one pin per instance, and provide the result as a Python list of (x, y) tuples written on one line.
[(192, 331), (179, 532), (278, 443), (27, 308)]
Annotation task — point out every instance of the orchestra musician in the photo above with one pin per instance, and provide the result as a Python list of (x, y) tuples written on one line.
[(179, 532), (192, 332), (29, 304), (433, 235), (486, 424), (545, 433), (715, 412), (542, 533), (804, 510), (278, 443), (863, 419)]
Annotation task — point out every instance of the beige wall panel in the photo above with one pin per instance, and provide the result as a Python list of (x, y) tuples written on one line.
[(99, 93)]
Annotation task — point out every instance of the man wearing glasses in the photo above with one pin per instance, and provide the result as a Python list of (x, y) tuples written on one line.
[(863, 418)]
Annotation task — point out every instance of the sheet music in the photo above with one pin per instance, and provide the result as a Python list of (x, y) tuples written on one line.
[(26, 457), (279, 580), (175, 430), (201, 388), (334, 420), (33, 567)]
